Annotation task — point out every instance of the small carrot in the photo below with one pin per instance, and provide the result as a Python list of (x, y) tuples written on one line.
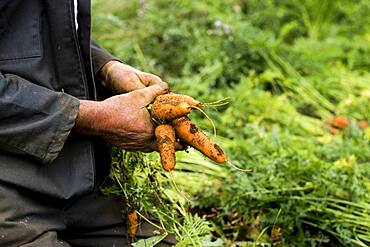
[(190, 134), (165, 135), (338, 122), (179, 146), (363, 124), (133, 222), (168, 107), (181, 98), (164, 112), (178, 99)]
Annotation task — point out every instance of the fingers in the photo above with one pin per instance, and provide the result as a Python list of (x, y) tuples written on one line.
[(122, 78), (147, 95), (131, 86), (125, 81), (149, 79)]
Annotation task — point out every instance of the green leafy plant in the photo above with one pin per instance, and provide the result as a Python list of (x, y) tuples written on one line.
[(287, 66)]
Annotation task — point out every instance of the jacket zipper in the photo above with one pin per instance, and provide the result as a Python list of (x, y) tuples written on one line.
[(77, 44), (84, 81)]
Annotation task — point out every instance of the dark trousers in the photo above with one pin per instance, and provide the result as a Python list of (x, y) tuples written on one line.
[(29, 219)]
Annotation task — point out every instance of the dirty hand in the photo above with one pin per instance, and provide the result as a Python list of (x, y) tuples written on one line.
[(122, 78), (122, 120)]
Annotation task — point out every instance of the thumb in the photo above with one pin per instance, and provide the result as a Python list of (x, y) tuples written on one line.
[(147, 95)]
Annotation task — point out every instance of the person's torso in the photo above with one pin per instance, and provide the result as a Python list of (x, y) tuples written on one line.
[(40, 43)]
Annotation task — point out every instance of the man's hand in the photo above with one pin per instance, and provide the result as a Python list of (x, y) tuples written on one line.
[(122, 78), (122, 120)]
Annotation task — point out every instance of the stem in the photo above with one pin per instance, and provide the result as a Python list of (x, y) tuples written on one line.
[(215, 102), (211, 121)]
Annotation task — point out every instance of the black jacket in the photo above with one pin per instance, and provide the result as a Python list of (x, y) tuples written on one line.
[(45, 67)]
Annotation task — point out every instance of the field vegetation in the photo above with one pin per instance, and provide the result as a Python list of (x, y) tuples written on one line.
[(297, 78)]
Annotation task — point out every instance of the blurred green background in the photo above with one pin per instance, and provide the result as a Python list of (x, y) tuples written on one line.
[(290, 69)]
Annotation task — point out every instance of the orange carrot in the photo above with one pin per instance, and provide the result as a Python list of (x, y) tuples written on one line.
[(363, 124), (178, 99), (190, 134), (132, 223), (338, 122), (179, 146), (181, 98), (164, 112), (165, 135)]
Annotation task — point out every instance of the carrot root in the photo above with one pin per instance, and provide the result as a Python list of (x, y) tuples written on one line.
[(178, 99), (166, 140), (167, 111), (132, 223), (190, 134)]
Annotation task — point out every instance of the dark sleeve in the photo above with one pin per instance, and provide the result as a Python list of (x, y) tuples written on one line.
[(34, 120), (99, 57)]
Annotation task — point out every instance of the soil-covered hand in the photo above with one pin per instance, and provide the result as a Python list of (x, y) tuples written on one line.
[(122, 120), (122, 78)]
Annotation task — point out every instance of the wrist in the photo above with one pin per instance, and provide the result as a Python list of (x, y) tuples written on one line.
[(106, 72), (88, 117)]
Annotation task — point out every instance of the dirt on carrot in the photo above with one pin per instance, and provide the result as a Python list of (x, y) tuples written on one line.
[(191, 135), (170, 111), (165, 135), (178, 99), (167, 111)]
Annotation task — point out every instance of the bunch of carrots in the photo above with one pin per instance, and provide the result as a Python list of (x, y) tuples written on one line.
[(174, 127)]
